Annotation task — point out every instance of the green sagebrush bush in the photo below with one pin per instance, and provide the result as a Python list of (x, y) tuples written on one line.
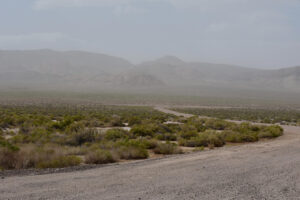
[(81, 137), (131, 149), (8, 154), (99, 157), (8, 158), (59, 162), (271, 132), (142, 130), (217, 124), (166, 136), (148, 143), (38, 135), (208, 138), (31, 156), (167, 148), (257, 115), (237, 137), (116, 134), (188, 134), (5, 144)]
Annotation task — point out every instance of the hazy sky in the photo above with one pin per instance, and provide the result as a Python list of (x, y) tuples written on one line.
[(257, 33)]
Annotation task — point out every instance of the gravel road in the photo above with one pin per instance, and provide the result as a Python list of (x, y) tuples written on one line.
[(263, 170)]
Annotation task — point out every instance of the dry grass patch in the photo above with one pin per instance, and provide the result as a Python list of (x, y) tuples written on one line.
[(99, 157), (167, 148)]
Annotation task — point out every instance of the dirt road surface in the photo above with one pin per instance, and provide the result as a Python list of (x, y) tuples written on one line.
[(264, 170)]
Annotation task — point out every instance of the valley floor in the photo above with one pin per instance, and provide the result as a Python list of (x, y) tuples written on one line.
[(262, 170)]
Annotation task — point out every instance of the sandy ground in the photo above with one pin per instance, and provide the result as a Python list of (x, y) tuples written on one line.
[(263, 170)]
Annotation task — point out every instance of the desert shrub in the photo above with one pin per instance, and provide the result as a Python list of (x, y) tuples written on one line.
[(208, 138), (174, 128), (30, 155), (103, 144), (5, 144), (255, 128), (187, 134), (198, 141), (215, 139), (131, 149), (116, 134), (116, 121), (160, 137), (144, 130), (75, 127), (167, 148), (81, 137), (271, 132), (134, 120), (99, 157), (216, 124), (148, 143), (8, 158), (236, 137), (199, 148), (162, 128), (244, 127), (197, 123), (188, 126), (60, 162), (166, 136), (62, 125), (26, 128), (27, 156), (200, 127), (7, 121), (93, 123), (75, 150), (132, 152), (38, 135), (250, 137)]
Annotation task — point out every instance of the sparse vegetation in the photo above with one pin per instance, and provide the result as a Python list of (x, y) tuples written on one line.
[(99, 157), (56, 136), (131, 149), (167, 148), (205, 139), (272, 116), (60, 162), (30, 155)]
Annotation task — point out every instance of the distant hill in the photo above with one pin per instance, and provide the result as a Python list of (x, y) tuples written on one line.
[(71, 68), (77, 69), (62, 63), (179, 73)]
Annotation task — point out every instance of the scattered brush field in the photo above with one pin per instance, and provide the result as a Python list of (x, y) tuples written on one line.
[(58, 136), (272, 116)]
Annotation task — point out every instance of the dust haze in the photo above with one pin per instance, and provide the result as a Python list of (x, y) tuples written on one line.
[(78, 71)]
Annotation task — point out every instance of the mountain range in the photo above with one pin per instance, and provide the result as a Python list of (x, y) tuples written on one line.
[(77, 69)]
